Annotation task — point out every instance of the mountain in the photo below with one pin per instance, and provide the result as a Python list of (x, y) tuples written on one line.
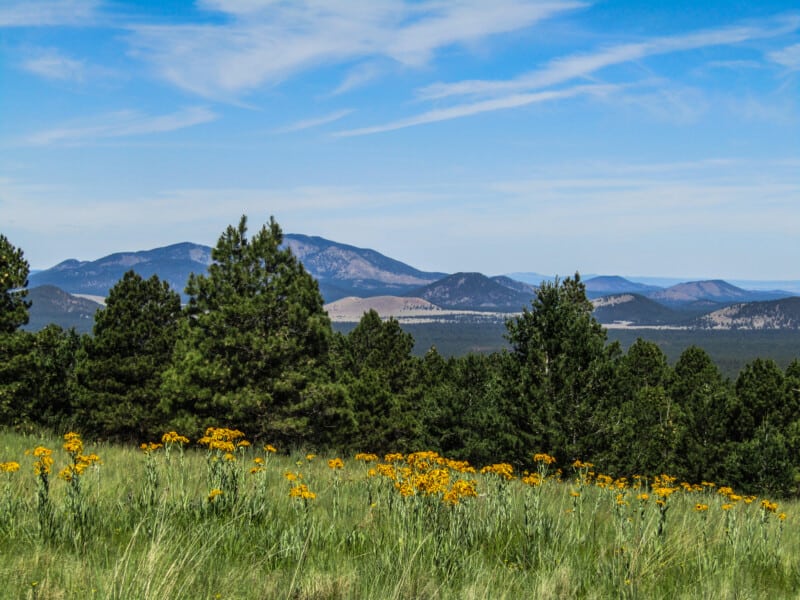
[(351, 309), (609, 285), (633, 309), (344, 270), (171, 263), (774, 314), (713, 291), (517, 286), (340, 269), (473, 291), (531, 278), (50, 304)]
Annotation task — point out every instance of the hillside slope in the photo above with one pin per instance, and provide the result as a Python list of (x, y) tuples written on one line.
[(50, 304), (473, 291), (776, 314)]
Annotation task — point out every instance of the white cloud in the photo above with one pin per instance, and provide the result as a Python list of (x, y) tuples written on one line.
[(268, 41), (567, 68), (358, 77), (51, 64), (43, 13), (315, 122), (789, 57), (474, 108), (121, 124)]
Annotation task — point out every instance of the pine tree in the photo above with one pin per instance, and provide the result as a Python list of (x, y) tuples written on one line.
[(14, 271), (118, 373), (256, 340), (375, 362), (15, 346), (565, 370)]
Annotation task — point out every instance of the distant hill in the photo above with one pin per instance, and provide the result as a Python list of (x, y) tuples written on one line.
[(473, 291), (50, 304), (534, 279), (609, 285), (713, 291), (633, 309), (517, 286), (344, 270), (171, 263), (341, 270), (774, 314), (351, 309)]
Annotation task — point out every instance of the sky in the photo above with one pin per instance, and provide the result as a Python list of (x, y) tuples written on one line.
[(550, 136)]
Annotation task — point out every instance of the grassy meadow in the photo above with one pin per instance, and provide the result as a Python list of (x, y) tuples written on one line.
[(224, 518)]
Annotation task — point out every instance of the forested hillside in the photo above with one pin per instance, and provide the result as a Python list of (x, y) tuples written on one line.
[(253, 349)]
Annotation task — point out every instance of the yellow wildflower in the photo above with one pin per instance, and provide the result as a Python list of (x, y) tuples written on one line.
[(366, 457), (302, 492), (502, 470), (544, 458), (336, 463), (174, 437), (769, 506)]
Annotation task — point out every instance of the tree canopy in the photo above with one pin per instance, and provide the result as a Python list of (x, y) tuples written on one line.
[(255, 338), (14, 271)]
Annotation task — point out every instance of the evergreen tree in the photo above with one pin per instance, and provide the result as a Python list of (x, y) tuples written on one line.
[(375, 362), (255, 343), (565, 372), (703, 397), (468, 418), (13, 283), (53, 360), (643, 435), (118, 373), (759, 399), (15, 346)]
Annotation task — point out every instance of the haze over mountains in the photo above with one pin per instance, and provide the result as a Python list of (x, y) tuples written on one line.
[(353, 280)]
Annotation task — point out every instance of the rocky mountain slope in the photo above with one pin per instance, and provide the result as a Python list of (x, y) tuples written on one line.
[(775, 314), (473, 291), (340, 269), (50, 304), (633, 309)]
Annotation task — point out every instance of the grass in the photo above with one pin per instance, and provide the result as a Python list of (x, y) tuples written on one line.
[(144, 527)]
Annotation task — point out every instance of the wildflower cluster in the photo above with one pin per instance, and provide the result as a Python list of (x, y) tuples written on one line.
[(222, 444), (427, 474), (80, 461), (225, 441)]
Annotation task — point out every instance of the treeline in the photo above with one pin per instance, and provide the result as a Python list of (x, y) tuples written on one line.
[(253, 349)]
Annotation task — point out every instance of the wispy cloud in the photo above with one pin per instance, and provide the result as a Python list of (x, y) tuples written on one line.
[(315, 122), (267, 41), (789, 57), (564, 69), (51, 64), (44, 13), (121, 124), (357, 77), (474, 108)]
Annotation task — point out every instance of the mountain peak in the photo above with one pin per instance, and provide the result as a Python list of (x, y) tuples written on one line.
[(473, 291)]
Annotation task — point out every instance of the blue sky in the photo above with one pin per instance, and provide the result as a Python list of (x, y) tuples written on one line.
[(616, 137)]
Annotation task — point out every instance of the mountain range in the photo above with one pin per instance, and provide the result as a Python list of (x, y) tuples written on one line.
[(353, 278)]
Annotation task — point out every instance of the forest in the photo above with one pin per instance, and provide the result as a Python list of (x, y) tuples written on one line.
[(253, 349)]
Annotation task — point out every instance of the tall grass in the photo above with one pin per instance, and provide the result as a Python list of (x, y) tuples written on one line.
[(148, 527)]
